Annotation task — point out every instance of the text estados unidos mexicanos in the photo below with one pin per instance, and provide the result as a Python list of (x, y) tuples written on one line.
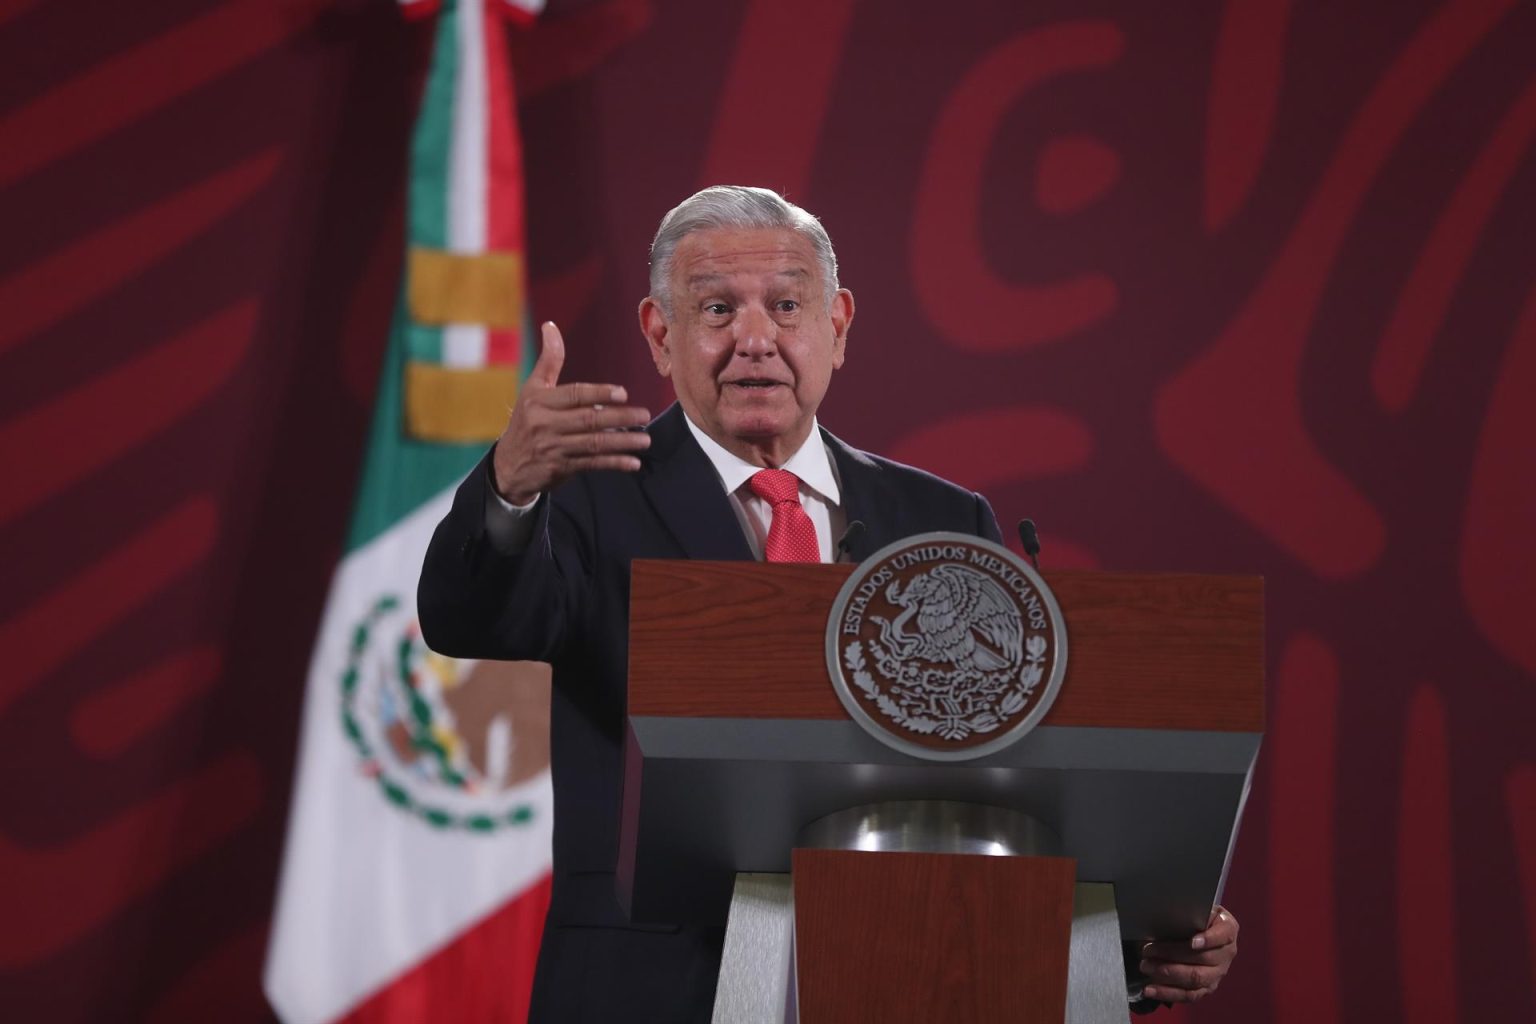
[(1002, 571)]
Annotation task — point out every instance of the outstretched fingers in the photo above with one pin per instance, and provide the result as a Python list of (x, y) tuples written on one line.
[(557, 430)]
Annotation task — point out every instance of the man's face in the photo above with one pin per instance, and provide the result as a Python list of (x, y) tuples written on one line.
[(751, 341)]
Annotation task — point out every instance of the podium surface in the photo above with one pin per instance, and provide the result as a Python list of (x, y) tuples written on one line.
[(737, 739)]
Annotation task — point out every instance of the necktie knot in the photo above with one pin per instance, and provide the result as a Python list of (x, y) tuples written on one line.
[(776, 485), (791, 535)]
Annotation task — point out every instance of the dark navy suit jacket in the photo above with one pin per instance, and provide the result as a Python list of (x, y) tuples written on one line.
[(565, 600)]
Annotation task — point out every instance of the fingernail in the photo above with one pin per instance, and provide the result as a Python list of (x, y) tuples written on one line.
[(1198, 942), (1149, 992), (1145, 967), (619, 395)]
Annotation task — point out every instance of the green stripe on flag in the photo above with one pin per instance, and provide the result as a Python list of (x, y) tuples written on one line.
[(400, 474), (431, 145), (427, 223)]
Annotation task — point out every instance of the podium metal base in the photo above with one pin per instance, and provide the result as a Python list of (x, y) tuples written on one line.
[(932, 826), (757, 968), (1096, 990)]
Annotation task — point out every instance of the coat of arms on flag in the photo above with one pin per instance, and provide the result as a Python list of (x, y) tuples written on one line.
[(450, 741)]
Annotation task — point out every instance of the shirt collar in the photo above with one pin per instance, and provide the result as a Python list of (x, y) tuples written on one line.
[(810, 463)]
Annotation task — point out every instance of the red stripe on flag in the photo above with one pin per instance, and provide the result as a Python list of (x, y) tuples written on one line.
[(503, 348), (504, 177), (486, 974)]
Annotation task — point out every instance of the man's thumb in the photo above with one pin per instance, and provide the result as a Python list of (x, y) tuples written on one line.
[(551, 356)]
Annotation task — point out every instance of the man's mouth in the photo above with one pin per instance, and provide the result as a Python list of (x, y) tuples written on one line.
[(755, 384)]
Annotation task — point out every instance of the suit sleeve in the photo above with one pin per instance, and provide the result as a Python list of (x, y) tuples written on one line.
[(473, 601)]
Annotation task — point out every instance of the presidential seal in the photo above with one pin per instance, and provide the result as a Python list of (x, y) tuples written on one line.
[(946, 647)]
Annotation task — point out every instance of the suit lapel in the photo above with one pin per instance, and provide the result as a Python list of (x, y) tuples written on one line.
[(685, 491), (863, 499)]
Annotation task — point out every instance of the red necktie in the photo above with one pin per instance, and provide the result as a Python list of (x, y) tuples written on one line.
[(791, 537)]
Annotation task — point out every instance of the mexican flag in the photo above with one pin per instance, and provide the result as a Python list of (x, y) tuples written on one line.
[(416, 873)]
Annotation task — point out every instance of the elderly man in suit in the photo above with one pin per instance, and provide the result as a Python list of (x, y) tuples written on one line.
[(746, 318)]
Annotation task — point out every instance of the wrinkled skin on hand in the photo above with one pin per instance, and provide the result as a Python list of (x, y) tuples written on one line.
[(558, 430)]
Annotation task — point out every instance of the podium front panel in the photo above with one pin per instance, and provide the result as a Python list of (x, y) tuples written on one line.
[(1141, 767)]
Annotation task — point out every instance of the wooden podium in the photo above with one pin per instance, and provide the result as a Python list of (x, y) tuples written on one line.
[(737, 743)]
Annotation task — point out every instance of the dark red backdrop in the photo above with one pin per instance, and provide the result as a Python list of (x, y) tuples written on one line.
[(1230, 287)]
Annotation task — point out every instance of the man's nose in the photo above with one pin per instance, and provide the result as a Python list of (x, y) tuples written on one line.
[(756, 333)]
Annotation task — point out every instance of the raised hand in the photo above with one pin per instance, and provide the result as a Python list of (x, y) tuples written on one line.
[(557, 430), (1186, 972)]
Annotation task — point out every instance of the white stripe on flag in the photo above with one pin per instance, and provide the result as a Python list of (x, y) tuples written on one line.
[(464, 346), (467, 152)]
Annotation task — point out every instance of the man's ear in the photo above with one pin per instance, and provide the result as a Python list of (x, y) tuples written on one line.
[(841, 314), (653, 324)]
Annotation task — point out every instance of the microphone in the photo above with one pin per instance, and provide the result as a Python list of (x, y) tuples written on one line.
[(851, 536), (1031, 541)]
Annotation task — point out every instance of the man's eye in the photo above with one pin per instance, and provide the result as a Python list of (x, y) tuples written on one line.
[(788, 305), (717, 309)]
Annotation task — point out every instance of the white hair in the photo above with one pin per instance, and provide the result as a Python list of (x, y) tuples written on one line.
[(735, 206)]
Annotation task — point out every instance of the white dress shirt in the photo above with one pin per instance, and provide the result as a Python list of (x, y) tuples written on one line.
[(820, 492), (510, 526)]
